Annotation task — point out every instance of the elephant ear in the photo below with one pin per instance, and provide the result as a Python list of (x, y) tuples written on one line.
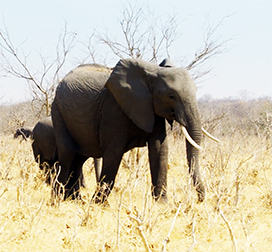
[(129, 84), (167, 63)]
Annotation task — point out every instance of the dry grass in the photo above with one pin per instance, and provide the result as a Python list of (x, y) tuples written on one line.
[(236, 215)]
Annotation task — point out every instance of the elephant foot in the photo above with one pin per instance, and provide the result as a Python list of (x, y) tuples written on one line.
[(98, 199), (162, 199), (159, 194), (58, 191), (101, 194), (100, 202), (200, 189), (75, 196), (72, 194)]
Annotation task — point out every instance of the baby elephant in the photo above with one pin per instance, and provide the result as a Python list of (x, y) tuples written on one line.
[(44, 150), (44, 145)]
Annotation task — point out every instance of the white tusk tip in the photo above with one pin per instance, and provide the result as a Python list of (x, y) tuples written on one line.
[(210, 136)]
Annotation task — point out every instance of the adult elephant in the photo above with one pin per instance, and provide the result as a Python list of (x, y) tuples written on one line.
[(44, 150), (102, 113)]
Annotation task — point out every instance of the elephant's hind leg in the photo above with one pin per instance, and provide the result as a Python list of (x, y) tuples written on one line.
[(66, 151), (76, 178), (109, 170)]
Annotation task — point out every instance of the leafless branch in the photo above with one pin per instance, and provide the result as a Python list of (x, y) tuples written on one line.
[(162, 33), (9, 48), (193, 234), (230, 229), (212, 47), (133, 33), (91, 48), (137, 217), (167, 239), (41, 83), (117, 48), (143, 37), (130, 25), (65, 44)]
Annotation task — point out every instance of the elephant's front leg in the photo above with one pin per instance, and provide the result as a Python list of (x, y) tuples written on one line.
[(110, 167), (158, 159)]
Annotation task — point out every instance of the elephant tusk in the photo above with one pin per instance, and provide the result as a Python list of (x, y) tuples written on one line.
[(210, 136), (189, 139)]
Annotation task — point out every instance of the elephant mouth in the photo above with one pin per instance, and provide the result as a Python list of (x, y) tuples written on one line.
[(169, 115), (185, 132), (177, 117), (173, 115)]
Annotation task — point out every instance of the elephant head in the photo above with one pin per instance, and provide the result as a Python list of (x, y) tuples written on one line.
[(24, 132), (144, 90)]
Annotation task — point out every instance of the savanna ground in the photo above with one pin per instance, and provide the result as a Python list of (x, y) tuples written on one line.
[(235, 216)]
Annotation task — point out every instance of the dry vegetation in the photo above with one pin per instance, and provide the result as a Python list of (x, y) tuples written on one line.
[(236, 215), (237, 212)]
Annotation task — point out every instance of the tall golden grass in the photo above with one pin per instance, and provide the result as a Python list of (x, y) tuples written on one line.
[(235, 216)]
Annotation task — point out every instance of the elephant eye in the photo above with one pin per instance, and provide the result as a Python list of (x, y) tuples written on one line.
[(171, 96)]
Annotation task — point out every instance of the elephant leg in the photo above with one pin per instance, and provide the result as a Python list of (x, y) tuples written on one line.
[(66, 151), (158, 159), (36, 151), (80, 174), (109, 170), (39, 158), (76, 178), (62, 182), (37, 154), (66, 155)]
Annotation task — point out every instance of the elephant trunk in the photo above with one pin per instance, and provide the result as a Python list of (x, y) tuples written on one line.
[(194, 129), (193, 162)]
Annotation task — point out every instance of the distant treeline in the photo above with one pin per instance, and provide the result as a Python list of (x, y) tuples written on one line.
[(231, 116), (222, 117)]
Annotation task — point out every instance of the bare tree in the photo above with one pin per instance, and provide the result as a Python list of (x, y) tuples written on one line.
[(42, 83), (145, 35), (212, 47), (90, 49), (150, 37)]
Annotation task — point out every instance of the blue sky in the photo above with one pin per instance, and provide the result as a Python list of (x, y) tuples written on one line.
[(246, 68)]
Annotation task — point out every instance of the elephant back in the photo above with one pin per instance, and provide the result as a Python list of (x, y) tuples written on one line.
[(82, 83), (92, 75)]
